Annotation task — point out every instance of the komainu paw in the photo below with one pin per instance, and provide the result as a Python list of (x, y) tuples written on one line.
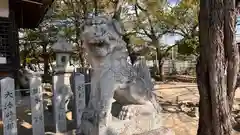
[(127, 113)]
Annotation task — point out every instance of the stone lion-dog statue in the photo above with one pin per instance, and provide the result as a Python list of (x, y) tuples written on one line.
[(114, 78)]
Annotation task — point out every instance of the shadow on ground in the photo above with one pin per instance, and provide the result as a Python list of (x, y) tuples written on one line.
[(237, 127), (24, 121)]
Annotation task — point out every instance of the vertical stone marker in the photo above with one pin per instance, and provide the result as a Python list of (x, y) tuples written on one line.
[(79, 96), (59, 104), (37, 106), (61, 82), (8, 106)]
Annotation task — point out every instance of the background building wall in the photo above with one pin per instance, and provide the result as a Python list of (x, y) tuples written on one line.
[(4, 10)]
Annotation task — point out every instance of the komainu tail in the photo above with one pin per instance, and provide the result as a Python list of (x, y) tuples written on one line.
[(142, 70)]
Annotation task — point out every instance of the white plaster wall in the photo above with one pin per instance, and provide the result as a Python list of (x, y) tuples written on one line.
[(4, 8)]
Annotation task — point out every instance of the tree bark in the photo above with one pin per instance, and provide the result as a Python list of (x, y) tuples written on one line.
[(214, 83), (46, 63), (25, 55), (118, 9), (161, 71), (232, 52), (160, 65), (80, 46), (132, 55)]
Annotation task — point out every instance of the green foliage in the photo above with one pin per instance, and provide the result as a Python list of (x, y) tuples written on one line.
[(155, 18), (188, 46), (145, 23), (185, 16)]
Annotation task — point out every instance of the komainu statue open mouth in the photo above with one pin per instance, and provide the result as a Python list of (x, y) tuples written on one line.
[(135, 109)]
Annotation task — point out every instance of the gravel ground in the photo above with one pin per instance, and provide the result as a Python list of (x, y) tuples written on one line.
[(172, 92)]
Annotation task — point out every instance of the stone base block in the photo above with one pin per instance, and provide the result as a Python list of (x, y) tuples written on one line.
[(159, 131), (144, 125)]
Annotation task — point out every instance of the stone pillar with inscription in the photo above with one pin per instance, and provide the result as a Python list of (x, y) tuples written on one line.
[(8, 103), (61, 83), (79, 98), (37, 105)]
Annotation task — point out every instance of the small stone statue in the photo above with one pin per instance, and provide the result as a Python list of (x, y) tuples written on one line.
[(24, 77), (135, 109), (23, 80)]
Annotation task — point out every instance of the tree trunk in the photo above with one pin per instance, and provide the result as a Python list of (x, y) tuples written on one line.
[(232, 52), (213, 80), (132, 55), (160, 65), (117, 9), (81, 58), (46, 64), (205, 111), (161, 71), (80, 46), (25, 55)]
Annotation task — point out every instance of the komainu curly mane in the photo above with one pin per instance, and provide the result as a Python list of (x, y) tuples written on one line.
[(107, 54)]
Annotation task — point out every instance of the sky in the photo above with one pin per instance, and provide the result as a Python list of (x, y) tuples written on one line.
[(173, 2), (170, 40), (238, 29), (167, 39), (238, 25)]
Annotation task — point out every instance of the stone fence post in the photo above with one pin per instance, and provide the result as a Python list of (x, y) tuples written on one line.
[(8, 106), (36, 94), (79, 98)]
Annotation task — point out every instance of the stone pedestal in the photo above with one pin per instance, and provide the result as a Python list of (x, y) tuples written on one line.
[(138, 126), (143, 123)]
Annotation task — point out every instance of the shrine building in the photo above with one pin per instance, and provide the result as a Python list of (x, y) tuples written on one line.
[(15, 14)]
